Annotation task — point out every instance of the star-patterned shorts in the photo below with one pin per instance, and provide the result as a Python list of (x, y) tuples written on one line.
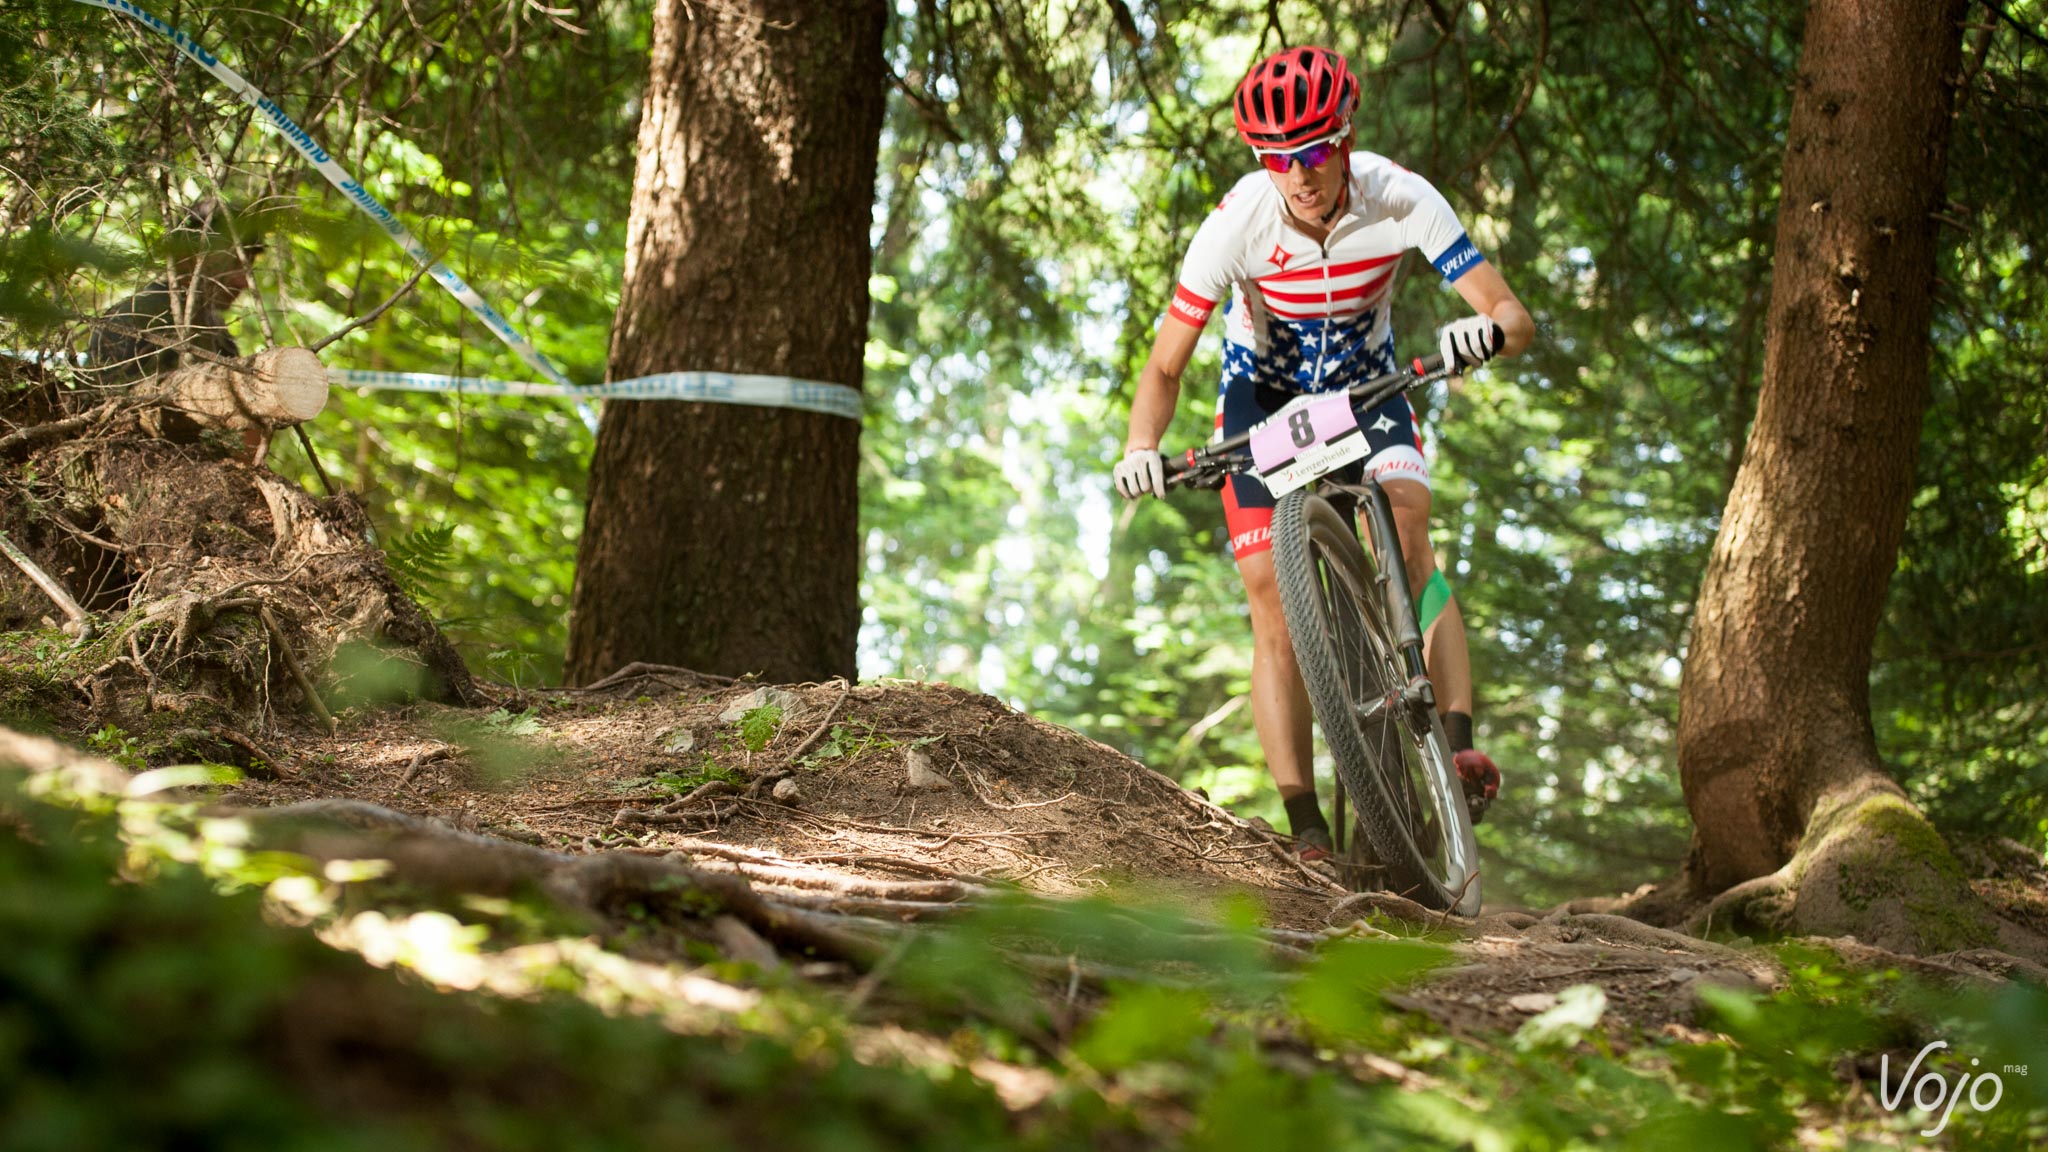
[(1390, 431)]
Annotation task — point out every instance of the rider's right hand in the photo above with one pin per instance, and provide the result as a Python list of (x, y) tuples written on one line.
[(1140, 471)]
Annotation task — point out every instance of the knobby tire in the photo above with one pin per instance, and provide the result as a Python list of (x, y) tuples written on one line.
[(1336, 619)]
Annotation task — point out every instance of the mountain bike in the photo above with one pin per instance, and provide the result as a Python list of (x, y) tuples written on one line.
[(1352, 622)]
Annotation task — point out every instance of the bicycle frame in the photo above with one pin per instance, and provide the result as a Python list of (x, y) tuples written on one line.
[(1208, 467)]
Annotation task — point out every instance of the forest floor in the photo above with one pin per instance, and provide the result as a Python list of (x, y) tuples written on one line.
[(730, 846), (826, 809)]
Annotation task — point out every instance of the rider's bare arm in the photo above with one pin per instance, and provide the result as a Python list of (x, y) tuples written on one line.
[(1489, 295), (1159, 382)]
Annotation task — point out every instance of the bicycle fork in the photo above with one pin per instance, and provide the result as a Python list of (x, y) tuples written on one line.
[(1417, 694)]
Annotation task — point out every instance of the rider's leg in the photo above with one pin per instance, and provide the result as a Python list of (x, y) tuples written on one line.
[(1443, 646), (1280, 709)]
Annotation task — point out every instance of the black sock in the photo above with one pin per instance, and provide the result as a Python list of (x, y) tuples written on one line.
[(1458, 730), (1304, 812)]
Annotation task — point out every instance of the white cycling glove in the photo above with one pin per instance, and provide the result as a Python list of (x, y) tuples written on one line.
[(1465, 343), (1140, 471)]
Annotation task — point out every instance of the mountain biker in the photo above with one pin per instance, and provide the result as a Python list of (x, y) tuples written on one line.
[(1307, 248)]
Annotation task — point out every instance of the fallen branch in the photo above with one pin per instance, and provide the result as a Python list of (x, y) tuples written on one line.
[(638, 670), (298, 670), (419, 761), (38, 432), (930, 891), (870, 859), (76, 621)]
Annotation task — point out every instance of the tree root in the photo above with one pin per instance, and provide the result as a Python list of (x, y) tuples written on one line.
[(610, 889), (1762, 904)]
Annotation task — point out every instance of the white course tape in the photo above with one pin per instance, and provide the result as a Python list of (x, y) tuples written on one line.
[(762, 391), (715, 387)]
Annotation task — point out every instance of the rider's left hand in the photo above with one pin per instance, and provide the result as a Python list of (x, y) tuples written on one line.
[(1468, 342)]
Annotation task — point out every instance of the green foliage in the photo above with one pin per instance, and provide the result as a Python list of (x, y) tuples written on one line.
[(523, 723), (503, 747), (116, 745), (423, 560), (849, 741), (680, 783), (106, 985), (1201, 1042), (759, 725)]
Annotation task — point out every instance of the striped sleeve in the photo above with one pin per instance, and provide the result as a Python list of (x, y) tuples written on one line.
[(1210, 266), (1430, 226)]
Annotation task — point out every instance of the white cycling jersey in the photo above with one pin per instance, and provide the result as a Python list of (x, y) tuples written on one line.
[(1309, 317)]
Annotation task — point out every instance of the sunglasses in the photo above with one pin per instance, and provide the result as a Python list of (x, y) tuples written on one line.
[(1310, 158)]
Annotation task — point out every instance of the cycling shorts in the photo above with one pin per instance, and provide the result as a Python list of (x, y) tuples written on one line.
[(1390, 433)]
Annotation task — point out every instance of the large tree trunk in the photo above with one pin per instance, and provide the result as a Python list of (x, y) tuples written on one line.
[(1776, 750), (721, 537)]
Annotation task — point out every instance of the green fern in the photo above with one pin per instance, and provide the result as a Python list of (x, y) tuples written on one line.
[(423, 561)]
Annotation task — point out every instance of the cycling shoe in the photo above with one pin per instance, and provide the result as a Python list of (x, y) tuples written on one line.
[(1481, 779)]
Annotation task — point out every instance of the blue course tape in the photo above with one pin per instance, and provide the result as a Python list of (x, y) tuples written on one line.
[(764, 391), (714, 387)]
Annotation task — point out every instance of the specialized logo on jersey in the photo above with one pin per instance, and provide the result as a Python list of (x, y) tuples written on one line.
[(1280, 257), (1190, 307)]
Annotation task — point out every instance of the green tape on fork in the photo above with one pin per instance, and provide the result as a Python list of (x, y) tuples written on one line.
[(1435, 596)]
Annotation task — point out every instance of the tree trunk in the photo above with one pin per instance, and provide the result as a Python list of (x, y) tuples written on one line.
[(721, 537), (1775, 705)]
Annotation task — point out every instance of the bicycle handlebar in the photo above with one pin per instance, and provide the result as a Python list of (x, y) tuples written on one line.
[(1213, 462)]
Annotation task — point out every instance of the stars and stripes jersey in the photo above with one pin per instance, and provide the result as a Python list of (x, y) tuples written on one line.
[(1309, 317)]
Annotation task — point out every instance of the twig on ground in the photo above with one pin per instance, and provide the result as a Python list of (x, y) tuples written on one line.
[(1454, 900), (60, 520), (844, 689), (923, 891), (419, 761), (640, 670), (981, 790), (710, 789), (298, 670)]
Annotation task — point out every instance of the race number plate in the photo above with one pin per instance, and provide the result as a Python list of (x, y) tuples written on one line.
[(1309, 437)]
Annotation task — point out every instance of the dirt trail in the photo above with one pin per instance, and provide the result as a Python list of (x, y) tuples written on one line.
[(1007, 797), (656, 763)]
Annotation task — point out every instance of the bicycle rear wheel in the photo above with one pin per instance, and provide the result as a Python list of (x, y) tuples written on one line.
[(1391, 755)]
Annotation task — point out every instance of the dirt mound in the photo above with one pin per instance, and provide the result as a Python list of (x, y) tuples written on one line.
[(201, 597), (874, 780)]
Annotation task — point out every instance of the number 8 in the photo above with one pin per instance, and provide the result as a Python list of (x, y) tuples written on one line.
[(1300, 425)]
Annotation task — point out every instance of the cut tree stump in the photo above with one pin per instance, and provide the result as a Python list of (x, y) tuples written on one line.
[(275, 388)]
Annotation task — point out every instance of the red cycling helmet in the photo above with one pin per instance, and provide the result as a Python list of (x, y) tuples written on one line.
[(1295, 97)]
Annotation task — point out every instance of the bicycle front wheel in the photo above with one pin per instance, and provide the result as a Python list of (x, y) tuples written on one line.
[(1391, 755)]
